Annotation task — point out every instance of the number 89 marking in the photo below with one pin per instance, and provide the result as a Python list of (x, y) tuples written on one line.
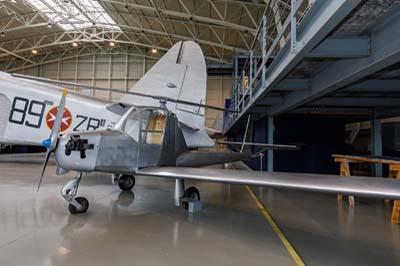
[(21, 107)]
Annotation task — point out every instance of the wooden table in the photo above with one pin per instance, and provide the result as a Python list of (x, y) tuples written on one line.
[(394, 172)]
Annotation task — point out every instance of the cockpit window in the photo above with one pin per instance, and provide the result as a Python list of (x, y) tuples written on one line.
[(147, 124), (132, 125), (153, 125)]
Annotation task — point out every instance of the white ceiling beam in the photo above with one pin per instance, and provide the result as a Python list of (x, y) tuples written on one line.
[(250, 16), (63, 17), (139, 27), (241, 3), (175, 36), (185, 15), (161, 22), (69, 39), (216, 10), (16, 55)]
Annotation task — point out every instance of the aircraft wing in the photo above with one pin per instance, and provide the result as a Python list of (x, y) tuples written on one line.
[(372, 187)]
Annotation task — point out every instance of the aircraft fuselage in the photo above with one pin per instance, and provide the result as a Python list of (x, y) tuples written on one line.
[(29, 105), (147, 136)]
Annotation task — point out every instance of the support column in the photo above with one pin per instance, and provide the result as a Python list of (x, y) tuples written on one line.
[(76, 72), (126, 71), (109, 76), (58, 71), (235, 83), (264, 50), (278, 21), (144, 65), (93, 93), (376, 142), (251, 75), (235, 73), (270, 140), (293, 27)]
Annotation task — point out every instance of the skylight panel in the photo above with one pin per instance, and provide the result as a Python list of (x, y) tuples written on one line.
[(75, 14)]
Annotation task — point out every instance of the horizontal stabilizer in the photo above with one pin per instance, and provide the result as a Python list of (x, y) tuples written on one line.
[(372, 187)]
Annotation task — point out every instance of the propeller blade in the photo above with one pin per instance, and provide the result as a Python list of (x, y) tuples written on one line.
[(46, 160), (51, 142), (57, 123)]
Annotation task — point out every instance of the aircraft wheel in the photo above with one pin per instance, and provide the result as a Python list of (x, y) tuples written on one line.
[(126, 182), (81, 200), (191, 193)]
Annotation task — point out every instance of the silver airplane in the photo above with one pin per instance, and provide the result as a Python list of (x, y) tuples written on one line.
[(156, 129)]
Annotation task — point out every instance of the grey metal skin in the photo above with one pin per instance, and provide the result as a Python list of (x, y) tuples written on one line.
[(114, 151), (119, 151), (198, 159), (373, 187), (109, 151)]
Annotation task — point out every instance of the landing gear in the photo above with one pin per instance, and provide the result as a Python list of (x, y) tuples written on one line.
[(83, 202), (126, 182), (68, 192), (184, 196), (191, 194)]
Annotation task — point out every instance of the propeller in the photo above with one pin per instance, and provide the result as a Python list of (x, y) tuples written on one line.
[(51, 142)]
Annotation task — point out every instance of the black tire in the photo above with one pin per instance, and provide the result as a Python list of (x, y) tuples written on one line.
[(81, 200), (190, 193), (126, 182)]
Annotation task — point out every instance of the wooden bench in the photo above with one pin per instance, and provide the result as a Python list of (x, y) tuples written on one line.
[(394, 172)]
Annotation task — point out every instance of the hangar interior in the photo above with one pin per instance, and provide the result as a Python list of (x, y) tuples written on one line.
[(323, 75)]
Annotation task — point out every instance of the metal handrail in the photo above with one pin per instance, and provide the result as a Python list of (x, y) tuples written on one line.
[(256, 62)]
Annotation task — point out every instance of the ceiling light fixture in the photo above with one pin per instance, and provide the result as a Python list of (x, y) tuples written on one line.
[(34, 51), (154, 50), (75, 44), (112, 44)]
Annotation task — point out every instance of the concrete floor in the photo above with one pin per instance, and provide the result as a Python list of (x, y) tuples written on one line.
[(145, 228)]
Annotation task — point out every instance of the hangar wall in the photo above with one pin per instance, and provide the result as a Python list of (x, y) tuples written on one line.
[(317, 136), (218, 89), (112, 71), (120, 72)]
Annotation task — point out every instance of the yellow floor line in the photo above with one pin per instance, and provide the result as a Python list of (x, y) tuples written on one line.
[(278, 231)]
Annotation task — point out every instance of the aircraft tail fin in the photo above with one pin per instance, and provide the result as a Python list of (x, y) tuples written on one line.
[(180, 74)]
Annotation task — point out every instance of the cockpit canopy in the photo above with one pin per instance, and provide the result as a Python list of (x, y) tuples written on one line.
[(145, 125)]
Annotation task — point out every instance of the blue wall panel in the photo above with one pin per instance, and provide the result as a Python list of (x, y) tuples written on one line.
[(319, 137)]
